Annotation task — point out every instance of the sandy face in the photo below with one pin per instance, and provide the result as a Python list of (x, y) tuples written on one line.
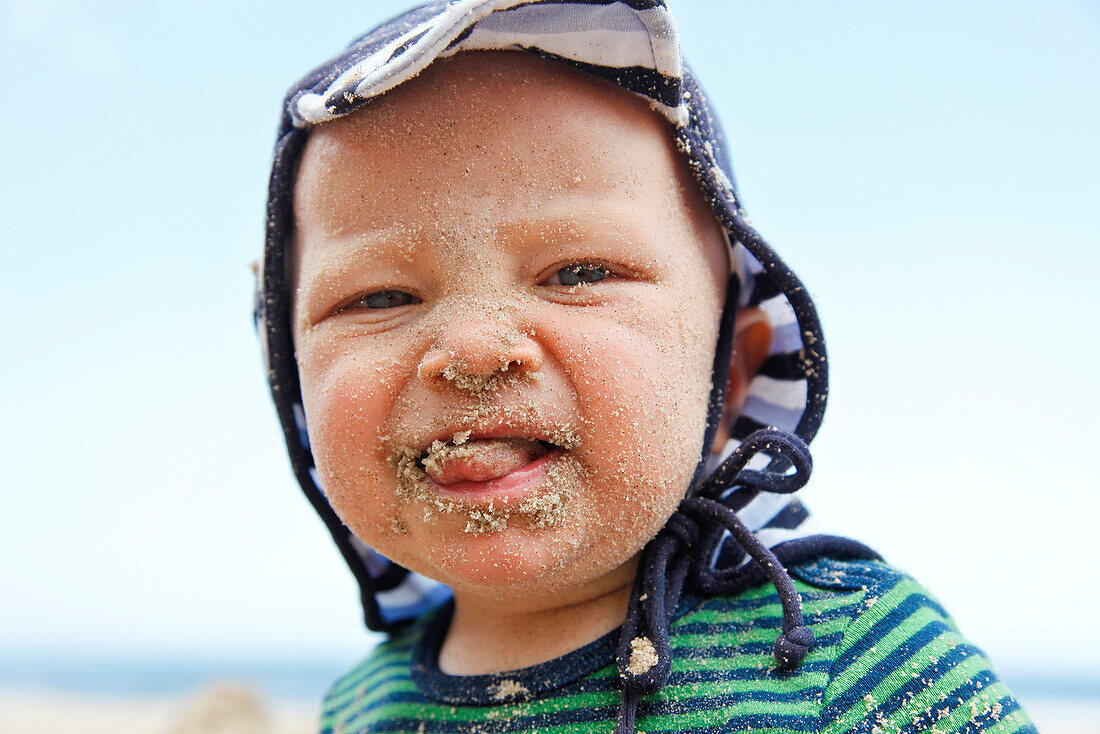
[(504, 341), (429, 477)]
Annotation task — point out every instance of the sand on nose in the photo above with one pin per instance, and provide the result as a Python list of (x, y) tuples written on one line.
[(480, 459)]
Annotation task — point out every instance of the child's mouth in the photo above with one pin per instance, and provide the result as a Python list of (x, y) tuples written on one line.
[(480, 459), (489, 479)]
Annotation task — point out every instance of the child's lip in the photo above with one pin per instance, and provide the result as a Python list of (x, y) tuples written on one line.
[(512, 486), (504, 430)]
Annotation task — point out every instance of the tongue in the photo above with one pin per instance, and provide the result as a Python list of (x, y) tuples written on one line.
[(480, 460)]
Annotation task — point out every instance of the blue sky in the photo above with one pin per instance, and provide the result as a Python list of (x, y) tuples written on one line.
[(929, 169)]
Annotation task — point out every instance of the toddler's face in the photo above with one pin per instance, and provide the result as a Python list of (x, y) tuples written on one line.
[(507, 299)]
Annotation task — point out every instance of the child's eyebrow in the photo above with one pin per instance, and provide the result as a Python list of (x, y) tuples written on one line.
[(347, 255), (573, 224)]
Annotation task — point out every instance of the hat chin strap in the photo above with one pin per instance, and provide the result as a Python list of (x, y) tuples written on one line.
[(680, 554)]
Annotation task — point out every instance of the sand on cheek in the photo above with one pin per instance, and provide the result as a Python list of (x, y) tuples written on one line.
[(646, 381), (345, 398), (644, 408)]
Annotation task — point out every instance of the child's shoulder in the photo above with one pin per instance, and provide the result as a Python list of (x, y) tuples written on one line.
[(897, 660), (887, 657), (836, 594)]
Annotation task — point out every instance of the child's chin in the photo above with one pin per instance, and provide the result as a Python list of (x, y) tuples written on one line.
[(514, 562)]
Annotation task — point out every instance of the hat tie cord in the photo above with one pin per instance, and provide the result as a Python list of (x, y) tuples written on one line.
[(681, 555)]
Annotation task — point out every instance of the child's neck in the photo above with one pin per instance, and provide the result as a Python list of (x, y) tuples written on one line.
[(495, 636)]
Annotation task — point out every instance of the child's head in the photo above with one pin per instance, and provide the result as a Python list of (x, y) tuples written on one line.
[(510, 257), (497, 303)]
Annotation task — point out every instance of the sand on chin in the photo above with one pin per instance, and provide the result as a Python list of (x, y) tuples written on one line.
[(220, 708)]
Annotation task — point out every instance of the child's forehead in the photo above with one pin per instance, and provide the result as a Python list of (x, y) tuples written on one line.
[(477, 118), (467, 105)]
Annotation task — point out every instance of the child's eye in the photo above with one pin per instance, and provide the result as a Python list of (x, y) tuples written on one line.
[(572, 275), (386, 299)]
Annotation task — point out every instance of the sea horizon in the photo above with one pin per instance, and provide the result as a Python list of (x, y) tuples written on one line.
[(301, 676)]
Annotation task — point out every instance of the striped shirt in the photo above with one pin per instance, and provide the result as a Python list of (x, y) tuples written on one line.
[(887, 659)]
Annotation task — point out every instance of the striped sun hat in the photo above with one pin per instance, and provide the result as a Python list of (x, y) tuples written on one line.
[(634, 44)]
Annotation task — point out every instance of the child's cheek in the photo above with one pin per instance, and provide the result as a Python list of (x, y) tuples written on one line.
[(643, 386), (345, 398)]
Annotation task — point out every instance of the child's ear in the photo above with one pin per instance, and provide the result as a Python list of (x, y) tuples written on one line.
[(752, 339)]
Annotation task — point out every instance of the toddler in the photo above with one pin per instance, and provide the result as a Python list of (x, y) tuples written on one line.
[(551, 393)]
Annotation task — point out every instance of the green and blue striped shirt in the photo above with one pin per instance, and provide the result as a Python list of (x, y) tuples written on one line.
[(887, 660)]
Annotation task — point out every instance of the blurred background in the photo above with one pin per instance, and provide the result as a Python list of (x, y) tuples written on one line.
[(929, 169)]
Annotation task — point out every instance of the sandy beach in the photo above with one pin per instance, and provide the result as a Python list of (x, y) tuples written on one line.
[(221, 708), (227, 708)]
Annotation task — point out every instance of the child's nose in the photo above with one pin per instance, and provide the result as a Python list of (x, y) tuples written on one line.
[(475, 356)]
